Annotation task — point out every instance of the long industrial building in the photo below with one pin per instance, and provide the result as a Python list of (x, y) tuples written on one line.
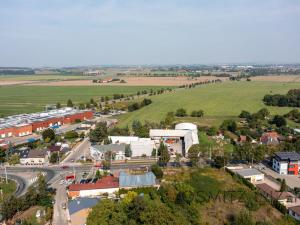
[(24, 124)]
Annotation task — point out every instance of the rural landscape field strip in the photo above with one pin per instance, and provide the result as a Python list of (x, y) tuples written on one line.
[(219, 101), (24, 99)]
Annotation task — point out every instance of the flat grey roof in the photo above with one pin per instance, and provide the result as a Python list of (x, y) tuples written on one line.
[(248, 172)]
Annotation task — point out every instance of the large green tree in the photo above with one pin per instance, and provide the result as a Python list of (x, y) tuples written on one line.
[(48, 134), (194, 154), (164, 156), (99, 134)]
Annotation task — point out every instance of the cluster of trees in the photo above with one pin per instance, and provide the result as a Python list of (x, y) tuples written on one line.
[(141, 130), (71, 134), (293, 115), (291, 99), (136, 105), (176, 202), (37, 194), (181, 112)]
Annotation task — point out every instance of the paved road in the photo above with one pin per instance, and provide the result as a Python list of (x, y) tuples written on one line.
[(80, 150), (21, 183), (59, 214)]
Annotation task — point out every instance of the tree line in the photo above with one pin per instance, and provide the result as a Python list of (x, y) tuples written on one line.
[(291, 99)]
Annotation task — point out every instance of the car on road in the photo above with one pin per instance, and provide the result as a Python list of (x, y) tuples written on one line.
[(65, 167), (72, 160), (64, 205)]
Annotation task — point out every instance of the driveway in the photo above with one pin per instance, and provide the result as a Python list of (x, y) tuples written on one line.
[(291, 180)]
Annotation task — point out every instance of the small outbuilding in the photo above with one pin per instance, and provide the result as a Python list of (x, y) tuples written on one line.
[(253, 175)]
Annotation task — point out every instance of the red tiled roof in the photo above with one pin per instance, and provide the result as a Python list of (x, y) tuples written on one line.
[(274, 194), (105, 182), (243, 138)]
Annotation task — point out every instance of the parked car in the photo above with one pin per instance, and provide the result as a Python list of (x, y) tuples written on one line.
[(88, 180), (64, 205), (94, 180)]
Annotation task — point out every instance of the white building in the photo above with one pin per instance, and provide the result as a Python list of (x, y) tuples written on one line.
[(253, 175), (189, 126), (122, 139), (178, 141), (143, 146), (35, 157), (286, 163)]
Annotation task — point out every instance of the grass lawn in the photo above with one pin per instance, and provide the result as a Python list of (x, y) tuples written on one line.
[(219, 102), (7, 189), (25, 99)]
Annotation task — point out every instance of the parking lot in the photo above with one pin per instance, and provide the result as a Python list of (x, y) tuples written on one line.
[(291, 180)]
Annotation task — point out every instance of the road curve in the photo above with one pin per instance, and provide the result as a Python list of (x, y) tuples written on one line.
[(20, 181)]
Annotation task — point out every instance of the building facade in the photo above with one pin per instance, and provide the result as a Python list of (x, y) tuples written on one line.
[(26, 124), (286, 163)]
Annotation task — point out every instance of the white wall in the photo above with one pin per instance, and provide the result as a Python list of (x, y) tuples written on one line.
[(97, 192), (33, 161)]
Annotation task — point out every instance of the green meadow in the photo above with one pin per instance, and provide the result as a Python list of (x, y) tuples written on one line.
[(219, 102), (26, 99)]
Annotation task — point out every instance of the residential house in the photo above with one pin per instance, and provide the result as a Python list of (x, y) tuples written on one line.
[(35, 157), (284, 197), (286, 163), (98, 152), (270, 138)]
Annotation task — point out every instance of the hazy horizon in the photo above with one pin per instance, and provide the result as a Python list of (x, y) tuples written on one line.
[(65, 33)]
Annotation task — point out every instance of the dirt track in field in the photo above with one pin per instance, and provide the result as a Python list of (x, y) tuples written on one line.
[(133, 81)]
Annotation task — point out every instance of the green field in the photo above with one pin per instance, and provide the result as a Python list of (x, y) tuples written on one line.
[(219, 102), (25, 99), (46, 77)]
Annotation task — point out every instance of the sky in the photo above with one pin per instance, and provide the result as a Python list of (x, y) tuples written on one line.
[(136, 32)]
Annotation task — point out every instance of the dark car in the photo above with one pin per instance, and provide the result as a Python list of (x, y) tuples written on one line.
[(88, 180), (94, 180), (82, 181)]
